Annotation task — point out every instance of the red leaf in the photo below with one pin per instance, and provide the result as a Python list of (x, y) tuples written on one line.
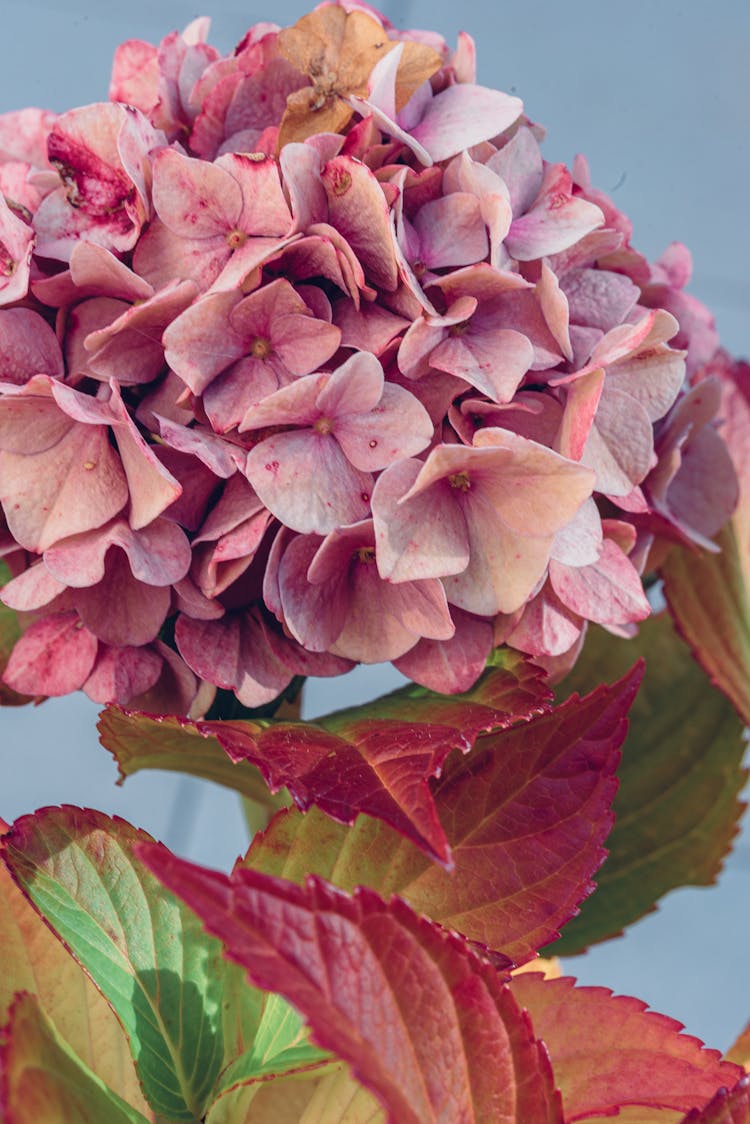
[(526, 815), (727, 1107), (609, 1051), (381, 768), (355, 762), (426, 1025)]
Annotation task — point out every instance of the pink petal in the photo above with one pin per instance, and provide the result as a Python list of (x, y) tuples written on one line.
[(454, 665), (28, 347), (120, 610), (200, 342), (16, 245), (31, 589), (557, 220), (234, 654), (158, 555), (74, 486), (520, 166), (547, 627), (608, 591), (193, 198), (399, 426), (464, 115), (53, 657), (451, 231), (151, 485), (130, 349), (422, 537), (306, 481), (119, 674), (264, 207), (358, 209)]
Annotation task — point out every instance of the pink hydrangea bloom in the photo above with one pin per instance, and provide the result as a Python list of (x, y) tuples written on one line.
[(276, 400)]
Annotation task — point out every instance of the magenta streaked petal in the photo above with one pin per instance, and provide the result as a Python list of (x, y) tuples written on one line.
[(53, 657)]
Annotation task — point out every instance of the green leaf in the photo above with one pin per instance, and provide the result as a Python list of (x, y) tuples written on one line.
[(45, 1082), (676, 810), (143, 948), (281, 1043), (10, 631), (144, 741), (326, 1096)]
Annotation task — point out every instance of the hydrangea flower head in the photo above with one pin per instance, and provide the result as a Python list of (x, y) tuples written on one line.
[(309, 358)]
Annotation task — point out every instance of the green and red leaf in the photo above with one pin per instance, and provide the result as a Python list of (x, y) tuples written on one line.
[(676, 811), (143, 948), (43, 1081), (149, 741), (34, 960), (427, 1026), (609, 1052), (526, 815)]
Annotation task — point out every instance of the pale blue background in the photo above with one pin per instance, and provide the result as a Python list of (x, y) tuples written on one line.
[(657, 95)]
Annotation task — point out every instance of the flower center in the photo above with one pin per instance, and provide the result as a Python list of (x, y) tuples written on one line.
[(458, 329), (323, 425), (460, 480), (235, 239), (260, 348), (365, 554)]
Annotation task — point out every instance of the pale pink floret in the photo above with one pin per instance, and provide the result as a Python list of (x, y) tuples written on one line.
[(235, 654), (23, 136), (161, 81), (437, 126), (491, 334), (59, 476), (229, 538), (236, 351), (348, 425), (694, 485), (215, 222), (484, 518), (333, 599), (555, 220), (242, 96), (53, 657), (642, 378)]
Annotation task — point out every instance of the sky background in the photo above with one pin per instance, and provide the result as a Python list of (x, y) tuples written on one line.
[(657, 95)]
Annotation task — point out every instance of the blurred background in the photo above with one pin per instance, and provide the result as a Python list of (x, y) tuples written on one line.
[(657, 96)]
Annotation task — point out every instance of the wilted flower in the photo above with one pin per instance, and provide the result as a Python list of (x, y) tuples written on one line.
[(309, 358)]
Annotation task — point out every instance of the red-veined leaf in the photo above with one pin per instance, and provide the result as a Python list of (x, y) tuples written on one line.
[(526, 815), (149, 741), (608, 1051), (426, 1024)]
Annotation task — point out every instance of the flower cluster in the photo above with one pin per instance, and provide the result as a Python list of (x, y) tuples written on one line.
[(309, 358)]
